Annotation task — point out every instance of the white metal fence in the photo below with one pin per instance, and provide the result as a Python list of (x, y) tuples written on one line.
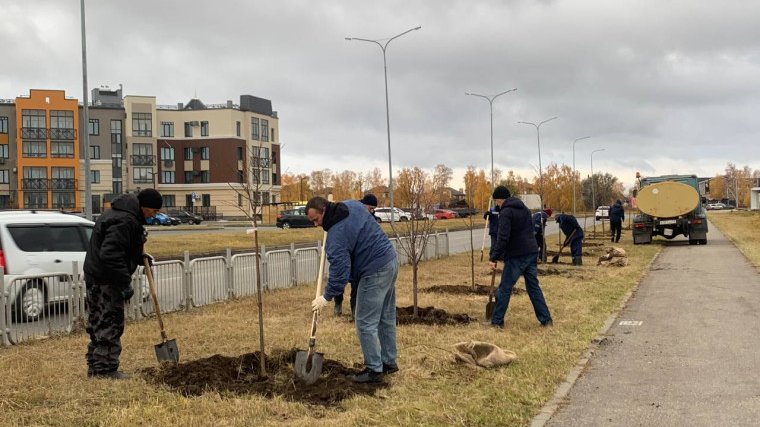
[(39, 306)]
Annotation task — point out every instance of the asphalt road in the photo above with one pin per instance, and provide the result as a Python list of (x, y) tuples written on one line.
[(684, 351)]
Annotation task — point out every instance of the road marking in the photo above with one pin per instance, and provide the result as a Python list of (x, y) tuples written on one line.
[(630, 323)]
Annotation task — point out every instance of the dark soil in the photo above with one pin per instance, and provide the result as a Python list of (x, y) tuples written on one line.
[(465, 289), (240, 375), (430, 316)]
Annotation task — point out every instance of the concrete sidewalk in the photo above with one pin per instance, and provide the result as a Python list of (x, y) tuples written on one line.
[(685, 351)]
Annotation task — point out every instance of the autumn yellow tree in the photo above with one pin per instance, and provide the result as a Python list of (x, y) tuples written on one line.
[(320, 181), (294, 187), (477, 188), (516, 183), (344, 185), (558, 187)]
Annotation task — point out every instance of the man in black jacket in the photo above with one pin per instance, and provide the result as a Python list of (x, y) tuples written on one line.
[(573, 236), (114, 252), (617, 216), (516, 246)]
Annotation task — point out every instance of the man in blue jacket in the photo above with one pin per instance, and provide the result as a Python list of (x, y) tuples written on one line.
[(574, 236), (359, 252), (492, 215), (516, 246), (617, 216), (538, 229)]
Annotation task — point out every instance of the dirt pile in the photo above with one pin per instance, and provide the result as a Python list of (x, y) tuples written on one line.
[(430, 316)]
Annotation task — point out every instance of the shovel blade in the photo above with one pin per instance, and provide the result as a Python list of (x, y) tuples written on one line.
[(555, 259), (308, 366), (489, 309), (167, 352)]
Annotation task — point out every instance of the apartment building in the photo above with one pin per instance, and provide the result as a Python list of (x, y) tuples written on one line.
[(200, 157)]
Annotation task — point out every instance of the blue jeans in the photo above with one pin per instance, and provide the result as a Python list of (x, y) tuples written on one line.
[(515, 267), (375, 316)]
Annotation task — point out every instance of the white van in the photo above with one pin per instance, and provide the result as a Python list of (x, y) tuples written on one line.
[(37, 243)]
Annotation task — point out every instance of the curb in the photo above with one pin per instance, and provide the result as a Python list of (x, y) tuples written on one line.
[(553, 405)]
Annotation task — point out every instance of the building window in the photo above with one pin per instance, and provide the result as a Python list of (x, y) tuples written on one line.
[(142, 124), (61, 119), (204, 153), (142, 175), (4, 125), (237, 128), (265, 176), (188, 130), (167, 153), (33, 124), (240, 153), (254, 128), (264, 130), (167, 177), (117, 187), (205, 176), (34, 149), (241, 176), (188, 177), (188, 153), (167, 129), (240, 199), (206, 200), (62, 200), (116, 161), (204, 128), (35, 199), (256, 174), (142, 149), (115, 131), (94, 127), (170, 201), (95, 177), (273, 139), (4, 176), (4, 151), (95, 152), (60, 149)]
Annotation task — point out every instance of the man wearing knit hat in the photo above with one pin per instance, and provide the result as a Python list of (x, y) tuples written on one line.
[(113, 254), (516, 246)]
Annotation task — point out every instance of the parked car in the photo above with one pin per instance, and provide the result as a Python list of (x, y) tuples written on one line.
[(384, 215), (444, 214), (717, 206), (162, 219), (292, 218), (602, 212), (186, 217)]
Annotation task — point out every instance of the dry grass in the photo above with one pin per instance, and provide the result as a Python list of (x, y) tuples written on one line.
[(44, 382), (743, 228), (165, 246)]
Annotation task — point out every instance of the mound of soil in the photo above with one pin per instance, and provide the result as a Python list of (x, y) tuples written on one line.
[(240, 375), (465, 289), (430, 316)]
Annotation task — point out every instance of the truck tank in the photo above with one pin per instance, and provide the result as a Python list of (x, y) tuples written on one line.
[(667, 199)]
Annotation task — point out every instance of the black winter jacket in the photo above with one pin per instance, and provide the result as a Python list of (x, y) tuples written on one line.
[(116, 245), (515, 237), (617, 213), (568, 224)]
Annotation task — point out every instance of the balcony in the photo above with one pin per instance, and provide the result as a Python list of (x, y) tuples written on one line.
[(63, 184), (34, 133), (142, 160), (63, 134), (45, 184), (261, 162)]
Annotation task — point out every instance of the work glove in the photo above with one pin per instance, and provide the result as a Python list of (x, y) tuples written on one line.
[(319, 303), (127, 293), (149, 257)]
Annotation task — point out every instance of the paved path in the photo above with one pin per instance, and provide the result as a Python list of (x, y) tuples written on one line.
[(694, 359)]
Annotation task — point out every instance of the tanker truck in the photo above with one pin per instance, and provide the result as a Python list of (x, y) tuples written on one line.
[(669, 206)]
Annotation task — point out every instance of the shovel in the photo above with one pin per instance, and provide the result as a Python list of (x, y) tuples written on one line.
[(555, 258), (308, 364), (167, 350), (491, 303)]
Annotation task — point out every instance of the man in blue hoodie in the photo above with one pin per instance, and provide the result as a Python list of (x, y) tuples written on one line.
[(617, 216), (516, 246), (359, 252)]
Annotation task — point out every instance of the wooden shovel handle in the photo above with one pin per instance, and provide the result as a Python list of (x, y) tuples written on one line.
[(315, 315), (152, 290)]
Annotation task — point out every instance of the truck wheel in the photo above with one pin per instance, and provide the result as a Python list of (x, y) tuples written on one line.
[(703, 241)]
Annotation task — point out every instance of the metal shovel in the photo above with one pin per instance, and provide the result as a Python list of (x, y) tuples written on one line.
[(555, 258), (308, 364), (167, 350), (491, 302)]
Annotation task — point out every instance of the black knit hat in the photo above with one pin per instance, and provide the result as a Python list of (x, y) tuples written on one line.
[(369, 200), (501, 192), (150, 198)]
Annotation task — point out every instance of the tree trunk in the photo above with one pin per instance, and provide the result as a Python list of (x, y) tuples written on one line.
[(259, 297), (414, 287)]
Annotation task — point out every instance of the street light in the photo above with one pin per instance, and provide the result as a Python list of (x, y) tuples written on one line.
[(490, 103), (593, 181), (85, 121), (541, 181), (576, 140), (383, 47)]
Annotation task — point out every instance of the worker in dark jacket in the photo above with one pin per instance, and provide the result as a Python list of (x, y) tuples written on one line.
[(573, 236), (492, 216), (359, 252), (516, 246), (617, 216), (370, 202), (113, 254), (539, 225)]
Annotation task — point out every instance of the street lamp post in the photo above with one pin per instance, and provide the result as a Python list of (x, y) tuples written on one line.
[(541, 181), (576, 140), (383, 47), (490, 103), (86, 122), (593, 182)]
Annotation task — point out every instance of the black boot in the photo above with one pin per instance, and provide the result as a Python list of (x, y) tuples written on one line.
[(579, 260)]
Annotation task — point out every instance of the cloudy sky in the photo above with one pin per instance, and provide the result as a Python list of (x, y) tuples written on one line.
[(662, 86)]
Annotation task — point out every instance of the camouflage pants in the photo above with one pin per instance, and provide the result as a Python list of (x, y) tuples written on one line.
[(105, 325)]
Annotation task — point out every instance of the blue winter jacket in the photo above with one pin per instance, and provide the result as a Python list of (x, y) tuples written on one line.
[(568, 223), (617, 213), (356, 247), (492, 215), (515, 236), (537, 221)]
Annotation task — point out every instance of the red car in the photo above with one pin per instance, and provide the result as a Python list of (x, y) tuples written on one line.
[(444, 214)]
